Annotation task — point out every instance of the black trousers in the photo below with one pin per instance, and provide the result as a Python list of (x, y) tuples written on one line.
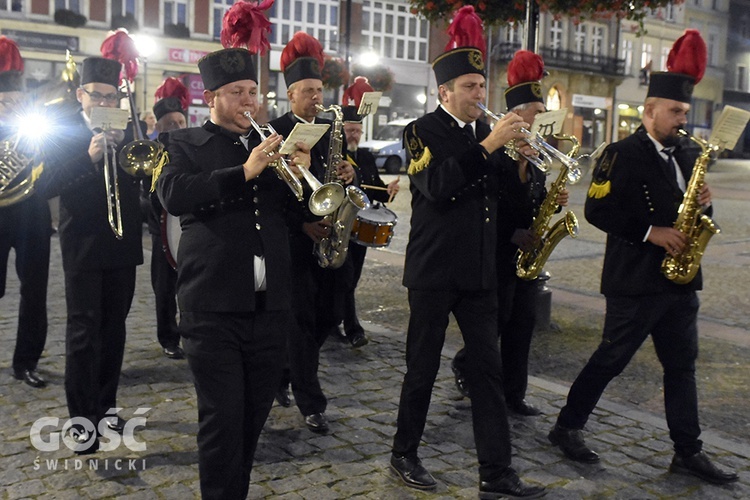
[(670, 319), (318, 304), (236, 361), (517, 317), (98, 303), (25, 227), (351, 321), (164, 284), (476, 315)]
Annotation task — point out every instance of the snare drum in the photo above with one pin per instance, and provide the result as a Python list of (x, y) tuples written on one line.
[(374, 226), (170, 236)]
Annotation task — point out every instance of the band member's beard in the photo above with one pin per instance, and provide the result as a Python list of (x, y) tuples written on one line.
[(671, 140)]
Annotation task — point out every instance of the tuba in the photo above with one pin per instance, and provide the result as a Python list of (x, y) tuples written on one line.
[(332, 250), (530, 263), (691, 221)]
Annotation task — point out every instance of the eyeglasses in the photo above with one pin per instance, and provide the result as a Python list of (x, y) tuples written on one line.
[(99, 97)]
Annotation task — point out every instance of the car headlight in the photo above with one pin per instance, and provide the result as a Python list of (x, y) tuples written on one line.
[(374, 151)]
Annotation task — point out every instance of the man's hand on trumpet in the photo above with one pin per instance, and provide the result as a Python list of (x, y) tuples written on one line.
[(506, 129), (261, 156), (300, 159)]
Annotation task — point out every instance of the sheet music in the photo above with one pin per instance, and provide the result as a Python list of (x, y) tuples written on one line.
[(369, 103), (549, 123), (109, 118), (309, 133), (729, 127)]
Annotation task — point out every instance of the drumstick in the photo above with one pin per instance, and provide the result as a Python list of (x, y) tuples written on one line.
[(390, 198), (368, 186)]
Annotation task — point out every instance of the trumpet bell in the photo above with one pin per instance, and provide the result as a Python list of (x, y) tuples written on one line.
[(140, 157), (326, 199)]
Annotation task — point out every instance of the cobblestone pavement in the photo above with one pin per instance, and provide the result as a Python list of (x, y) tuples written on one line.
[(363, 386)]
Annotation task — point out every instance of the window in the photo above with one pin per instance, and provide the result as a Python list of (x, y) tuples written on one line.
[(220, 8), (392, 31), (742, 78), (627, 55), (555, 34), (123, 7), (646, 52), (712, 44), (553, 99), (669, 12), (512, 33), (597, 40), (176, 12), (580, 38), (11, 5), (73, 5), (320, 19), (664, 57)]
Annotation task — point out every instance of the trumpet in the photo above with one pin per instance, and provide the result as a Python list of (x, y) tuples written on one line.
[(281, 167), (325, 199), (547, 153)]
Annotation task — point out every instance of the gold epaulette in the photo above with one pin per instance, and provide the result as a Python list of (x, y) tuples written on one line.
[(419, 164), (163, 161), (601, 186)]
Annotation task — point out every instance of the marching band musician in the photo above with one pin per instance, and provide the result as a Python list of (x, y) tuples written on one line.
[(450, 263), (367, 172), (634, 196), (318, 293), (522, 191), (234, 271), (99, 268), (169, 111), (25, 226)]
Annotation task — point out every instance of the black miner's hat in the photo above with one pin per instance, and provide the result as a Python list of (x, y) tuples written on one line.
[(686, 64), (226, 66), (465, 50), (101, 70)]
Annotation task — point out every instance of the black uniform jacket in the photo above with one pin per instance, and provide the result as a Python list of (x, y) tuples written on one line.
[(225, 221), (367, 172), (633, 188), (454, 204), (86, 239)]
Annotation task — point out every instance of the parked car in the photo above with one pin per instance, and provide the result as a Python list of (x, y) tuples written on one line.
[(387, 146)]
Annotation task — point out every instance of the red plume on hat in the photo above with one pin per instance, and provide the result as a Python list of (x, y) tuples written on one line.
[(246, 25), (353, 94), (466, 30), (120, 47), (688, 55), (10, 56), (525, 66), (301, 45), (173, 87)]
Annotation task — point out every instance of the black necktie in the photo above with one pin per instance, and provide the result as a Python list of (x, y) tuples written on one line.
[(672, 164), (469, 130)]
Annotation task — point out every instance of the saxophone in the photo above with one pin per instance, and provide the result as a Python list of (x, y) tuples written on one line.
[(530, 263), (331, 250), (692, 222)]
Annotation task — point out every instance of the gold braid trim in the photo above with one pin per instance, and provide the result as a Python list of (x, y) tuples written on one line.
[(419, 164), (599, 189), (163, 161)]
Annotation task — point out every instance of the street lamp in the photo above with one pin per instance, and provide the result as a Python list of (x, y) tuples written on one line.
[(146, 46), (369, 59)]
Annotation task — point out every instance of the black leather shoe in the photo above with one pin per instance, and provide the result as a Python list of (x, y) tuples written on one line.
[(572, 444), (509, 485), (317, 422), (700, 465), (174, 352), (282, 397), (358, 339), (412, 473), (85, 442), (524, 408), (116, 423), (461, 384), (31, 377)]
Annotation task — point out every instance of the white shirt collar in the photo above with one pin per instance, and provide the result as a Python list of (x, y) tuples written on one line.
[(461, 123)]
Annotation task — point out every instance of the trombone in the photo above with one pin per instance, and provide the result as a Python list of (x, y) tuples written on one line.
[(138, 158), (326, 198)]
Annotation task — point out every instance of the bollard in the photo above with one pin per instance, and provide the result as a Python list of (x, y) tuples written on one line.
[(543, 302)]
